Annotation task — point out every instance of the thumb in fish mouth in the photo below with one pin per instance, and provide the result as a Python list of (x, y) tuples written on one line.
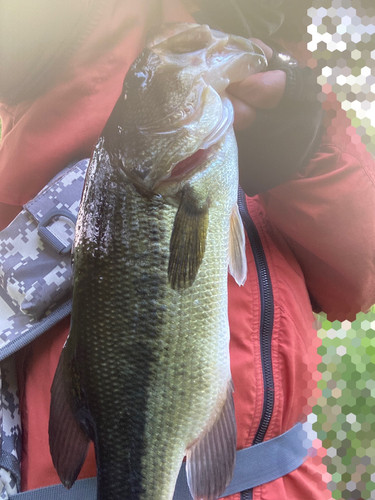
[(188, 241)]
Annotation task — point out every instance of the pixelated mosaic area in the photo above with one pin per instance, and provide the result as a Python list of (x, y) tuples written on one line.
[(341, 37), (344, 417)]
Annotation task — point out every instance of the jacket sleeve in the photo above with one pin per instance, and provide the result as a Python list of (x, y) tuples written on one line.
[(326, 213)]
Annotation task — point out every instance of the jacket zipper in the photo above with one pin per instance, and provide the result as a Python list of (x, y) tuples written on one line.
[(266, 323)]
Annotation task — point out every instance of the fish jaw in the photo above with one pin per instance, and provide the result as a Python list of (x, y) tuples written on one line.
[(183, 171)]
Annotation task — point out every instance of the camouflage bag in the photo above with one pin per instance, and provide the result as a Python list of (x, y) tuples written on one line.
[(35, 294)]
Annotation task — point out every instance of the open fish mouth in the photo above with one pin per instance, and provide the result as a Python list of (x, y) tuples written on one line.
[(189, 165), (184, 167)]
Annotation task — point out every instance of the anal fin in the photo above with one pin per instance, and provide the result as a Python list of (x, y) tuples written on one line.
[(237, 248), (210, 461), (68, 441)]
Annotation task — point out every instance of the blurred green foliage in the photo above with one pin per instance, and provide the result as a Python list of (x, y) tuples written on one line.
[(345, 414)]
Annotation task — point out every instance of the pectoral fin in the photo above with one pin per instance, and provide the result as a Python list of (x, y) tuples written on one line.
[(237, 248), (210, 461), (188, 241), (67, 440)]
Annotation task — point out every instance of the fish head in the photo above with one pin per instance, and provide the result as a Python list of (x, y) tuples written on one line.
[(173, 106)]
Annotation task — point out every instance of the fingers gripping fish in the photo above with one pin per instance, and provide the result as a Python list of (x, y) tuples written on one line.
[(145, 371)]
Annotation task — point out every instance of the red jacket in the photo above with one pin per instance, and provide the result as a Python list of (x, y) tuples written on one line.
[(317, 231)]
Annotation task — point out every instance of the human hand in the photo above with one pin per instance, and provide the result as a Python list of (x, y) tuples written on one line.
[(259, 91)]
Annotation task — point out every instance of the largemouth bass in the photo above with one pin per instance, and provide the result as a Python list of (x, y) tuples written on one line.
[(145, 371)]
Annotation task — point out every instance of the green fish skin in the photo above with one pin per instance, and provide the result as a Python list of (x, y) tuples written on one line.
[(145, 371)]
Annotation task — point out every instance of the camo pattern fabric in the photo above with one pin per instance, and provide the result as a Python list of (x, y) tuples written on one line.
[(35, 290), (10, 426), (35, 261)]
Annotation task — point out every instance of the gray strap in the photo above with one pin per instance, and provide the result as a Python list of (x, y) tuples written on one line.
[(256, 465), (261, 463), (85, 489)]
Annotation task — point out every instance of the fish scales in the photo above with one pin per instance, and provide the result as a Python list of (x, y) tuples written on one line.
[(145, 371)]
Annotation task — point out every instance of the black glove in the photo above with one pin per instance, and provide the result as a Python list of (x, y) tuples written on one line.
[(282, 140)]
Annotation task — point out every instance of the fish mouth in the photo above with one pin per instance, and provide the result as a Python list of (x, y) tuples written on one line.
[(191, 163), (186, 167)]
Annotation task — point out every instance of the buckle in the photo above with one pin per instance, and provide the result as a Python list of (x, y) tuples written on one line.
[(48, 237)]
